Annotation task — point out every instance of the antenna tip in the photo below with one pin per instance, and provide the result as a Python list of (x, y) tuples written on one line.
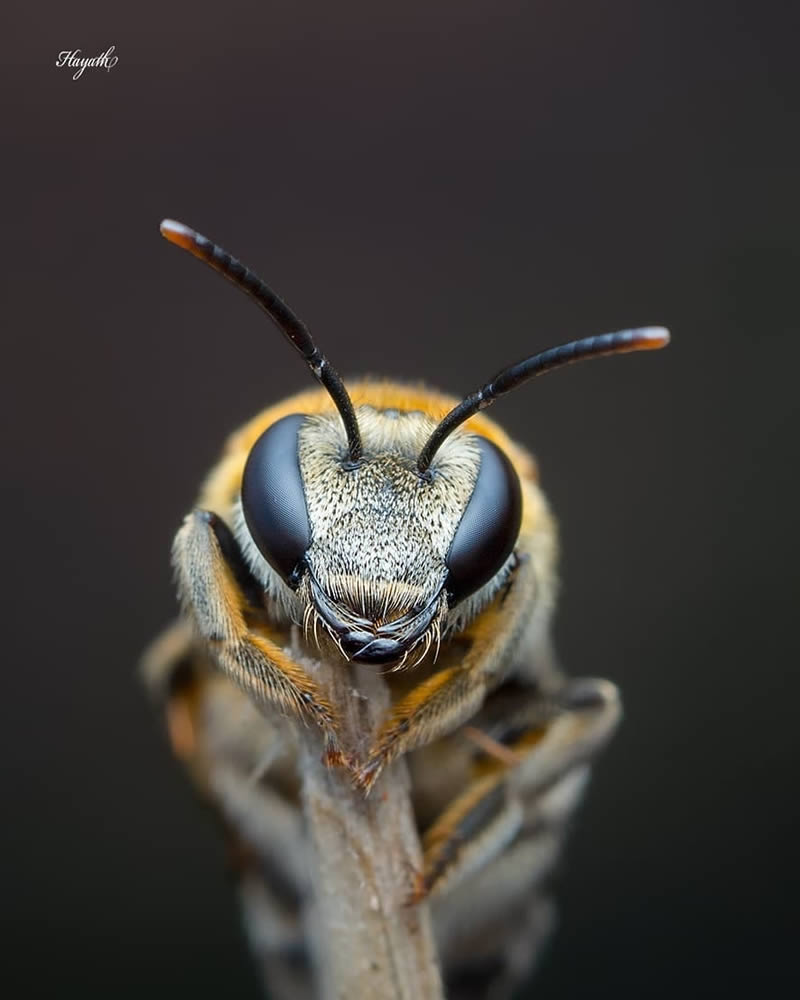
[(182, 236), (652, 338)]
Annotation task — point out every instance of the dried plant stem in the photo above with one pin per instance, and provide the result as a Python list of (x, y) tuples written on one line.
[(367, 941)]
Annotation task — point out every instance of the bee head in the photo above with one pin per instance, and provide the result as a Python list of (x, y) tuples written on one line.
[(378, 551), (380, 522)]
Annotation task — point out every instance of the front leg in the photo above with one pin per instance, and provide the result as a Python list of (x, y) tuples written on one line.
[(450, 697), (214, 585)]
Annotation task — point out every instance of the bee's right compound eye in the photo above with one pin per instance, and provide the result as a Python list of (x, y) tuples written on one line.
[(273, 498)]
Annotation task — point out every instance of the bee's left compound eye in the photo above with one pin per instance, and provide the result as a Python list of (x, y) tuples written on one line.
[(273, 498), (488, 531)]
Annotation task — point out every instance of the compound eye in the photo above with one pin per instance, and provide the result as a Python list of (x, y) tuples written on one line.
[(273, 498), (488, 531)]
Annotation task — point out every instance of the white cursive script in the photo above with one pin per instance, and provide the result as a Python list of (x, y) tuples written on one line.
[(73, 59)]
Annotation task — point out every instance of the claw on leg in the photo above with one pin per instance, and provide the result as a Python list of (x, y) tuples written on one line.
[(365, 777)]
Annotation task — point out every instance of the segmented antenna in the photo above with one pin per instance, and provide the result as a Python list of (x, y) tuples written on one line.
[(648, 338), (296, 332)]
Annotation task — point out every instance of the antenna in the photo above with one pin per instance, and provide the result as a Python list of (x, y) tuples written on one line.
[(281, 315), (647, 338)]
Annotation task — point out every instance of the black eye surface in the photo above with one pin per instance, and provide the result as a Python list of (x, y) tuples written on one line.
[(488, 531), (273, 499)]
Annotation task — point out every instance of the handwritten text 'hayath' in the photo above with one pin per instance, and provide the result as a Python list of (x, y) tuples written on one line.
[(73, 59)]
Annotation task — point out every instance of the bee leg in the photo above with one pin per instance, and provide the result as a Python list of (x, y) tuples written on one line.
[(490, 949), (550, 739), (472, 830), (171, 668), (212, 582), (494, 959), (450, 697), (276, 934), (234, 756), (166, 658)]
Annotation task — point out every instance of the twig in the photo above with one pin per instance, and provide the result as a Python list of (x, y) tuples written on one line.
[(368, 942)]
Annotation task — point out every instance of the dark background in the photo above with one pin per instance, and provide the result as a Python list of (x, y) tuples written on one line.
[(438, 190)]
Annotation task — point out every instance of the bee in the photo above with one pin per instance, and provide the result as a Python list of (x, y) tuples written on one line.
[(387, 528)]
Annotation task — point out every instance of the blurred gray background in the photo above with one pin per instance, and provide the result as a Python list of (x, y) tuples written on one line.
[(438, 190)]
